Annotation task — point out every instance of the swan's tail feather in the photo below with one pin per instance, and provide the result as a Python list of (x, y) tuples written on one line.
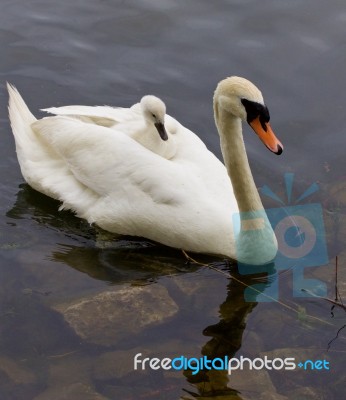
[(42, 168), (30, 152), (20, 118)]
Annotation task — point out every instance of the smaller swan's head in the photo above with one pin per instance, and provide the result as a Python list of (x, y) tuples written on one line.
[(244, 100), (154, 111)]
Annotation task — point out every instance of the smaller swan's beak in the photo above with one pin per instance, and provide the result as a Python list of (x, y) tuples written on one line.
[(267, 136), (162, 130)]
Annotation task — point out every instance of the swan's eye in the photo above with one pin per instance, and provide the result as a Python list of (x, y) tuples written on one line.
[(254, 110), (264, 118), (154, 116)]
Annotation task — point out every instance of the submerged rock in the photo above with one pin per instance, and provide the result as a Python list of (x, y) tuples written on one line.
[(116, 364), (75, 391), (251, 383), (120, 363), (309, 393), (114, 314), (271, 396), (16, 372)]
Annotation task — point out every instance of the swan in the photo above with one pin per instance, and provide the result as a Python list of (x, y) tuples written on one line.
[(143, 122), (191, 201)]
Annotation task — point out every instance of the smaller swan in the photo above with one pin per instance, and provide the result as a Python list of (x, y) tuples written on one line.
[(143, 122)]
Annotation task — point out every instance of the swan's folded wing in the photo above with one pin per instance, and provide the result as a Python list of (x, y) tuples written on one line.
[(100, 115), (115, 182), (108, 164)]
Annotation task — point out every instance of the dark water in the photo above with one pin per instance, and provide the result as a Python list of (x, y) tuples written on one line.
[(113, 52)]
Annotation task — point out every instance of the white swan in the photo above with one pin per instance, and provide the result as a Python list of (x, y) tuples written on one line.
[(185, 202), (143, 122)]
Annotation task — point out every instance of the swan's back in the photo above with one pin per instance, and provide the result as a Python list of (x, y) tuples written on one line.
[(129, 121), (100, 115)]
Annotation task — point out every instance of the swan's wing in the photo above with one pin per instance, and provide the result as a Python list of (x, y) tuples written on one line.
[(100, 115), (108, 164), (127, 189)]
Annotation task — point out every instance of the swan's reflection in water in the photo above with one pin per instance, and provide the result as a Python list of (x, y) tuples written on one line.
[(227, 334)]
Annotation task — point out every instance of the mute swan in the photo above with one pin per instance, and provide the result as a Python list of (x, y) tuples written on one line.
[(143, 122), (186, 202)]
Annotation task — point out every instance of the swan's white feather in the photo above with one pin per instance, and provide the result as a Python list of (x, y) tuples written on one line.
[(113, 115), (130, 121)]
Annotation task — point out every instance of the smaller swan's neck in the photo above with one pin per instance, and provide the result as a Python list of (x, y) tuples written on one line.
[(149, 138), (236, 161)]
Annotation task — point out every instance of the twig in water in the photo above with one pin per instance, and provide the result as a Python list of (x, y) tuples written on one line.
[(337, 335), (336, 279), (338, 298), (334, 302)]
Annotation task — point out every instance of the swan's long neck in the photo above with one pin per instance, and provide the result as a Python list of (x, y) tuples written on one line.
[(236, 161)]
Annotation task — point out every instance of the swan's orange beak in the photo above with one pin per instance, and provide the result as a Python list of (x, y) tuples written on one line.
[(267, 135)]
